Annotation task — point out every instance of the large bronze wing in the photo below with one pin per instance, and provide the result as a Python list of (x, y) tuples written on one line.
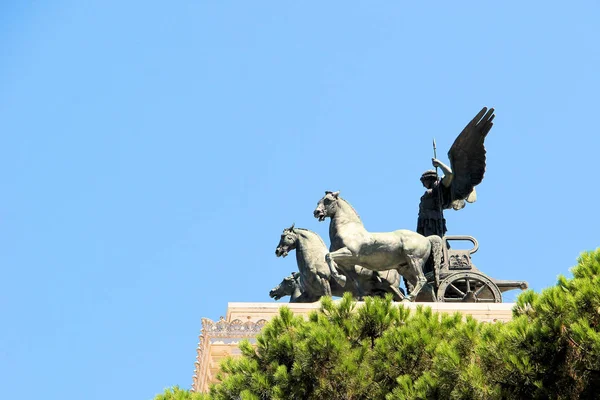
[(467, 157)]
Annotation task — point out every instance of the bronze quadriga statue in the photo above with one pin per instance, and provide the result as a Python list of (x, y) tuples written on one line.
[(370, 263)]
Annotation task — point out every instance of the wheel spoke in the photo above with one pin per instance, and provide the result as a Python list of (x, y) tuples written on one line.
[(452, 300), (468, 284), (457, 290), (479, 290)]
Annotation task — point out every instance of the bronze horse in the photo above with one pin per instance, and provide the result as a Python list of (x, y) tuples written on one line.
[(352, 244), (314, 278)]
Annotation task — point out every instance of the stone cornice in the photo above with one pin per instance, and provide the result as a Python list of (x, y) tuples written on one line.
[(236, 329)]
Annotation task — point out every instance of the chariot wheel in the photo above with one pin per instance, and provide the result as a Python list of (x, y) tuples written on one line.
[(468, 287)]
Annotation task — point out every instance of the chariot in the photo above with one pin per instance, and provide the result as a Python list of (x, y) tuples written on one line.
[(458, 280)]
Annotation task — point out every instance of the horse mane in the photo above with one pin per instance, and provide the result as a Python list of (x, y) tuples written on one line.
[(314, 233), (350, 205)]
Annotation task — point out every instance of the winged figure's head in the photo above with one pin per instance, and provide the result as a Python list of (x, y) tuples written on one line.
[(428, 178)]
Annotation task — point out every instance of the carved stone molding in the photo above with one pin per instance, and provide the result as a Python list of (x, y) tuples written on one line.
[(236, 329)]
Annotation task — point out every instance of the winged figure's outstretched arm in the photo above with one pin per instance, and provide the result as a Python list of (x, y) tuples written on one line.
[(448, 174)]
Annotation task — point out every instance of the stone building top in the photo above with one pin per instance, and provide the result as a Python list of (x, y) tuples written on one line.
[(220, 339)]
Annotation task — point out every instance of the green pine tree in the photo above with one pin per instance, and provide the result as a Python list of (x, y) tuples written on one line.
[(175, 393), (551, 349), (381, 350)]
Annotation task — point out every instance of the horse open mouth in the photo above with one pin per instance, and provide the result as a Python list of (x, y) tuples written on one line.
[(281, 253), (319, 214)]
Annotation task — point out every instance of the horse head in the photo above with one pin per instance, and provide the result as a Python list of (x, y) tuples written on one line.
[(285, 288), (287, 242), (327, 206)]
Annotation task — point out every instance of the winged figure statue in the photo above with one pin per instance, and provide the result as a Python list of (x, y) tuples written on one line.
[(457, 186)]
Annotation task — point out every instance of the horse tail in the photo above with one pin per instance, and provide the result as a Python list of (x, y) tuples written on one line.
[(436, 252), (409, 286)]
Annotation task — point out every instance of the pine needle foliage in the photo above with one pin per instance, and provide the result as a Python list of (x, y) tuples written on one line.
[(176, 393), (551, 349), (380, 350)]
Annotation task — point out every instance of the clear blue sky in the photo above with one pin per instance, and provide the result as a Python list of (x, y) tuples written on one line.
[(152, 153)]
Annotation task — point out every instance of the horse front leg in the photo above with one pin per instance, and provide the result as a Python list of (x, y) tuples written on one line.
[(398, 296), (326, 286), (342, 254)]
